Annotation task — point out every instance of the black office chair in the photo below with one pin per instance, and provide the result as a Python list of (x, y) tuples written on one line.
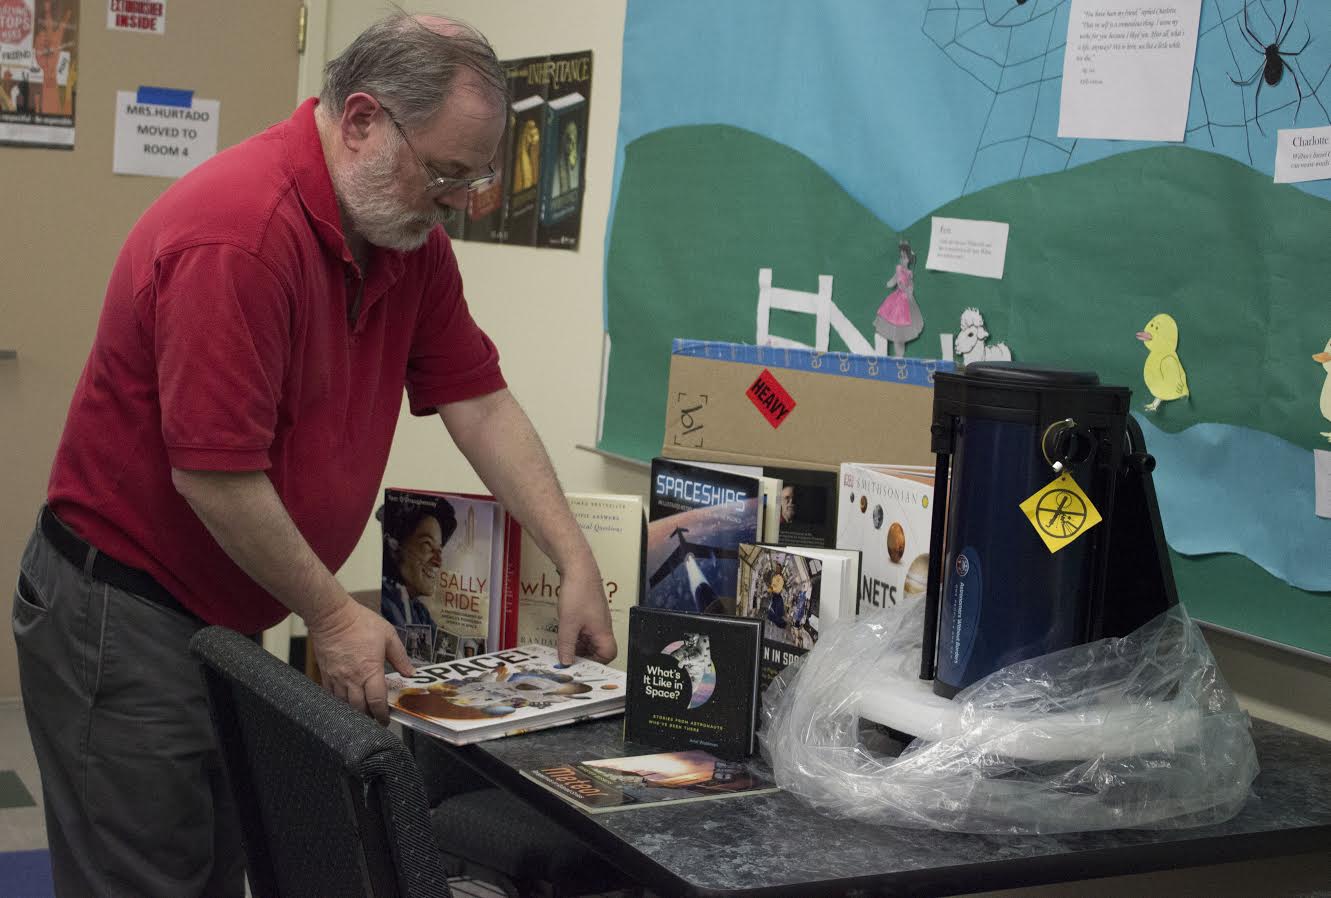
[(330, 803), (333, 804), (494, 836)]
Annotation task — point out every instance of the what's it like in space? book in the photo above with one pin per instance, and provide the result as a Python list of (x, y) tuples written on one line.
[(692, 681)]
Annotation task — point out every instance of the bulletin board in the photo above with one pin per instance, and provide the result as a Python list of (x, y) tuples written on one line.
[(812, 139)]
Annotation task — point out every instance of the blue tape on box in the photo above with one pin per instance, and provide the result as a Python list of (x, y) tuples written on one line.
[(919, 372), (166, 96)]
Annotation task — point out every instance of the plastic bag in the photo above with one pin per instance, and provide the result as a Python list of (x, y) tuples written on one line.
[(1137, 732)]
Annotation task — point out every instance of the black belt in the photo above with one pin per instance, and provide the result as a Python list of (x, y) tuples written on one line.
[(100, 566)]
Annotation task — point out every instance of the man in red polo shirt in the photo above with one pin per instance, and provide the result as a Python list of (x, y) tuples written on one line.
[(228, 436)]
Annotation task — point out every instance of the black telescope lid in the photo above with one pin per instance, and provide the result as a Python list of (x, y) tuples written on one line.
[(1028, 375)]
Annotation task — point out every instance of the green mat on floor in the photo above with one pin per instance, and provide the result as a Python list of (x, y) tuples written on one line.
[(13, 794)]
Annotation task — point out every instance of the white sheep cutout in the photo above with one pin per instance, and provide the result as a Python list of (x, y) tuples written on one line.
[(970, 342)]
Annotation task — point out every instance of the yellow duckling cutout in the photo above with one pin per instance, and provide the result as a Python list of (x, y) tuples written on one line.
[(1324, 358), (1163, 371)]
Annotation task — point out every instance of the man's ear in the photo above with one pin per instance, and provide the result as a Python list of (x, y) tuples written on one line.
[(358, 114)]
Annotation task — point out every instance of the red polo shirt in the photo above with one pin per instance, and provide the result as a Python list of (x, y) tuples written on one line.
[(224, 345)]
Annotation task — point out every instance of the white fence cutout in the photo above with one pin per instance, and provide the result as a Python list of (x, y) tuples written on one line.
[(827, 317)]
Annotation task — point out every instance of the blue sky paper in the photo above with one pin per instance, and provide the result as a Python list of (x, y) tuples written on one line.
[(1224, 488)]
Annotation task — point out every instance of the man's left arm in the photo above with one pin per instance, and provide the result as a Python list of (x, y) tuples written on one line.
[(498, 439)]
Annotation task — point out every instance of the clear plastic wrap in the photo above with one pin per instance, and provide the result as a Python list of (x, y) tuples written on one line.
[(1137, 732)]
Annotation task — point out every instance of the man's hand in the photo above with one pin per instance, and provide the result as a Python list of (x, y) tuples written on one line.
[(584, 618), (351, 643), (244, 514), (496, 436)]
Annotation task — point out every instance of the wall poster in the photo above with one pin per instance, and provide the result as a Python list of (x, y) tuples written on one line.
[(38, 72), (536, 196)]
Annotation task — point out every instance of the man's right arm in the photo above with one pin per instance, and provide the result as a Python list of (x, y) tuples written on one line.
[(245, 515)]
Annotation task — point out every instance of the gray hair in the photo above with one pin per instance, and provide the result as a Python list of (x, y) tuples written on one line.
[(410, 68)]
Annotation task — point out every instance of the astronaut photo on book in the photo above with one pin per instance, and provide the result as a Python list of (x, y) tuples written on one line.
[(415, 530), (693, 654), (418, 640), (781, 589)]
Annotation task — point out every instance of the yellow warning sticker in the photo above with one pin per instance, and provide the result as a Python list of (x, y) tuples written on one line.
[(1060, 512)]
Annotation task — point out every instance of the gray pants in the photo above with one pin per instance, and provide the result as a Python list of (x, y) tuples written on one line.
[(136, 797)]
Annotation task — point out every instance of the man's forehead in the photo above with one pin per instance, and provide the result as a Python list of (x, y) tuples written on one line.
[(472, 97), (467, 125)]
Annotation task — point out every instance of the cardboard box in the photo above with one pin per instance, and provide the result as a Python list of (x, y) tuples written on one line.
[(730, 402)]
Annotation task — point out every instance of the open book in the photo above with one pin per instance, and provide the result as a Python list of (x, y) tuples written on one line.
[(503, 693)]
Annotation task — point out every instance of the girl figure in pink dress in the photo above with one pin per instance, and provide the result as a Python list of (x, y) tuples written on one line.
[(899, 319)]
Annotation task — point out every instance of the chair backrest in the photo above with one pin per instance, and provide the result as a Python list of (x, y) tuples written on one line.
[(330, 803)]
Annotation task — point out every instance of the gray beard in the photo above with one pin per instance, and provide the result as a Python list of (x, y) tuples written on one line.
[(367, 195)]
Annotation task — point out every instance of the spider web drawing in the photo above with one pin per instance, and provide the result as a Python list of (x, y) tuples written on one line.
[(1014, 50), (1294, 102)]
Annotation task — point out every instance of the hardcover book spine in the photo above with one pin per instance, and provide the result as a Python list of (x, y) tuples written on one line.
[(512, 581)]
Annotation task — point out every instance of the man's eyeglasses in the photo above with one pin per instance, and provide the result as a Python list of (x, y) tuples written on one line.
[(436, 185)]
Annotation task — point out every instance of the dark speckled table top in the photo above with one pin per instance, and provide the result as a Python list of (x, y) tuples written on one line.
[(775, 845)]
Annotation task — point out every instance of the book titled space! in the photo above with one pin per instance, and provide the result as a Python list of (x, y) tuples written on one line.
[(503, 693), (692, 681)]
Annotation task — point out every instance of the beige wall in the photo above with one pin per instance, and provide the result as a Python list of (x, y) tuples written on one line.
[(63, 216)]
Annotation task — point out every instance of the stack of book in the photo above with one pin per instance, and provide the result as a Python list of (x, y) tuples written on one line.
[(462, 578), (739, 569)]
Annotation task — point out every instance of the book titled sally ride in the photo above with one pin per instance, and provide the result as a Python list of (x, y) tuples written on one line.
[(503, 694)]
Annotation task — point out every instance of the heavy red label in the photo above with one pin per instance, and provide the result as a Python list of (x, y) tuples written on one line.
[(770, 398)]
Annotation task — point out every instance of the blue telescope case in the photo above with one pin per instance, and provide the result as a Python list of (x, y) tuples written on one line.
[(996, 594)]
